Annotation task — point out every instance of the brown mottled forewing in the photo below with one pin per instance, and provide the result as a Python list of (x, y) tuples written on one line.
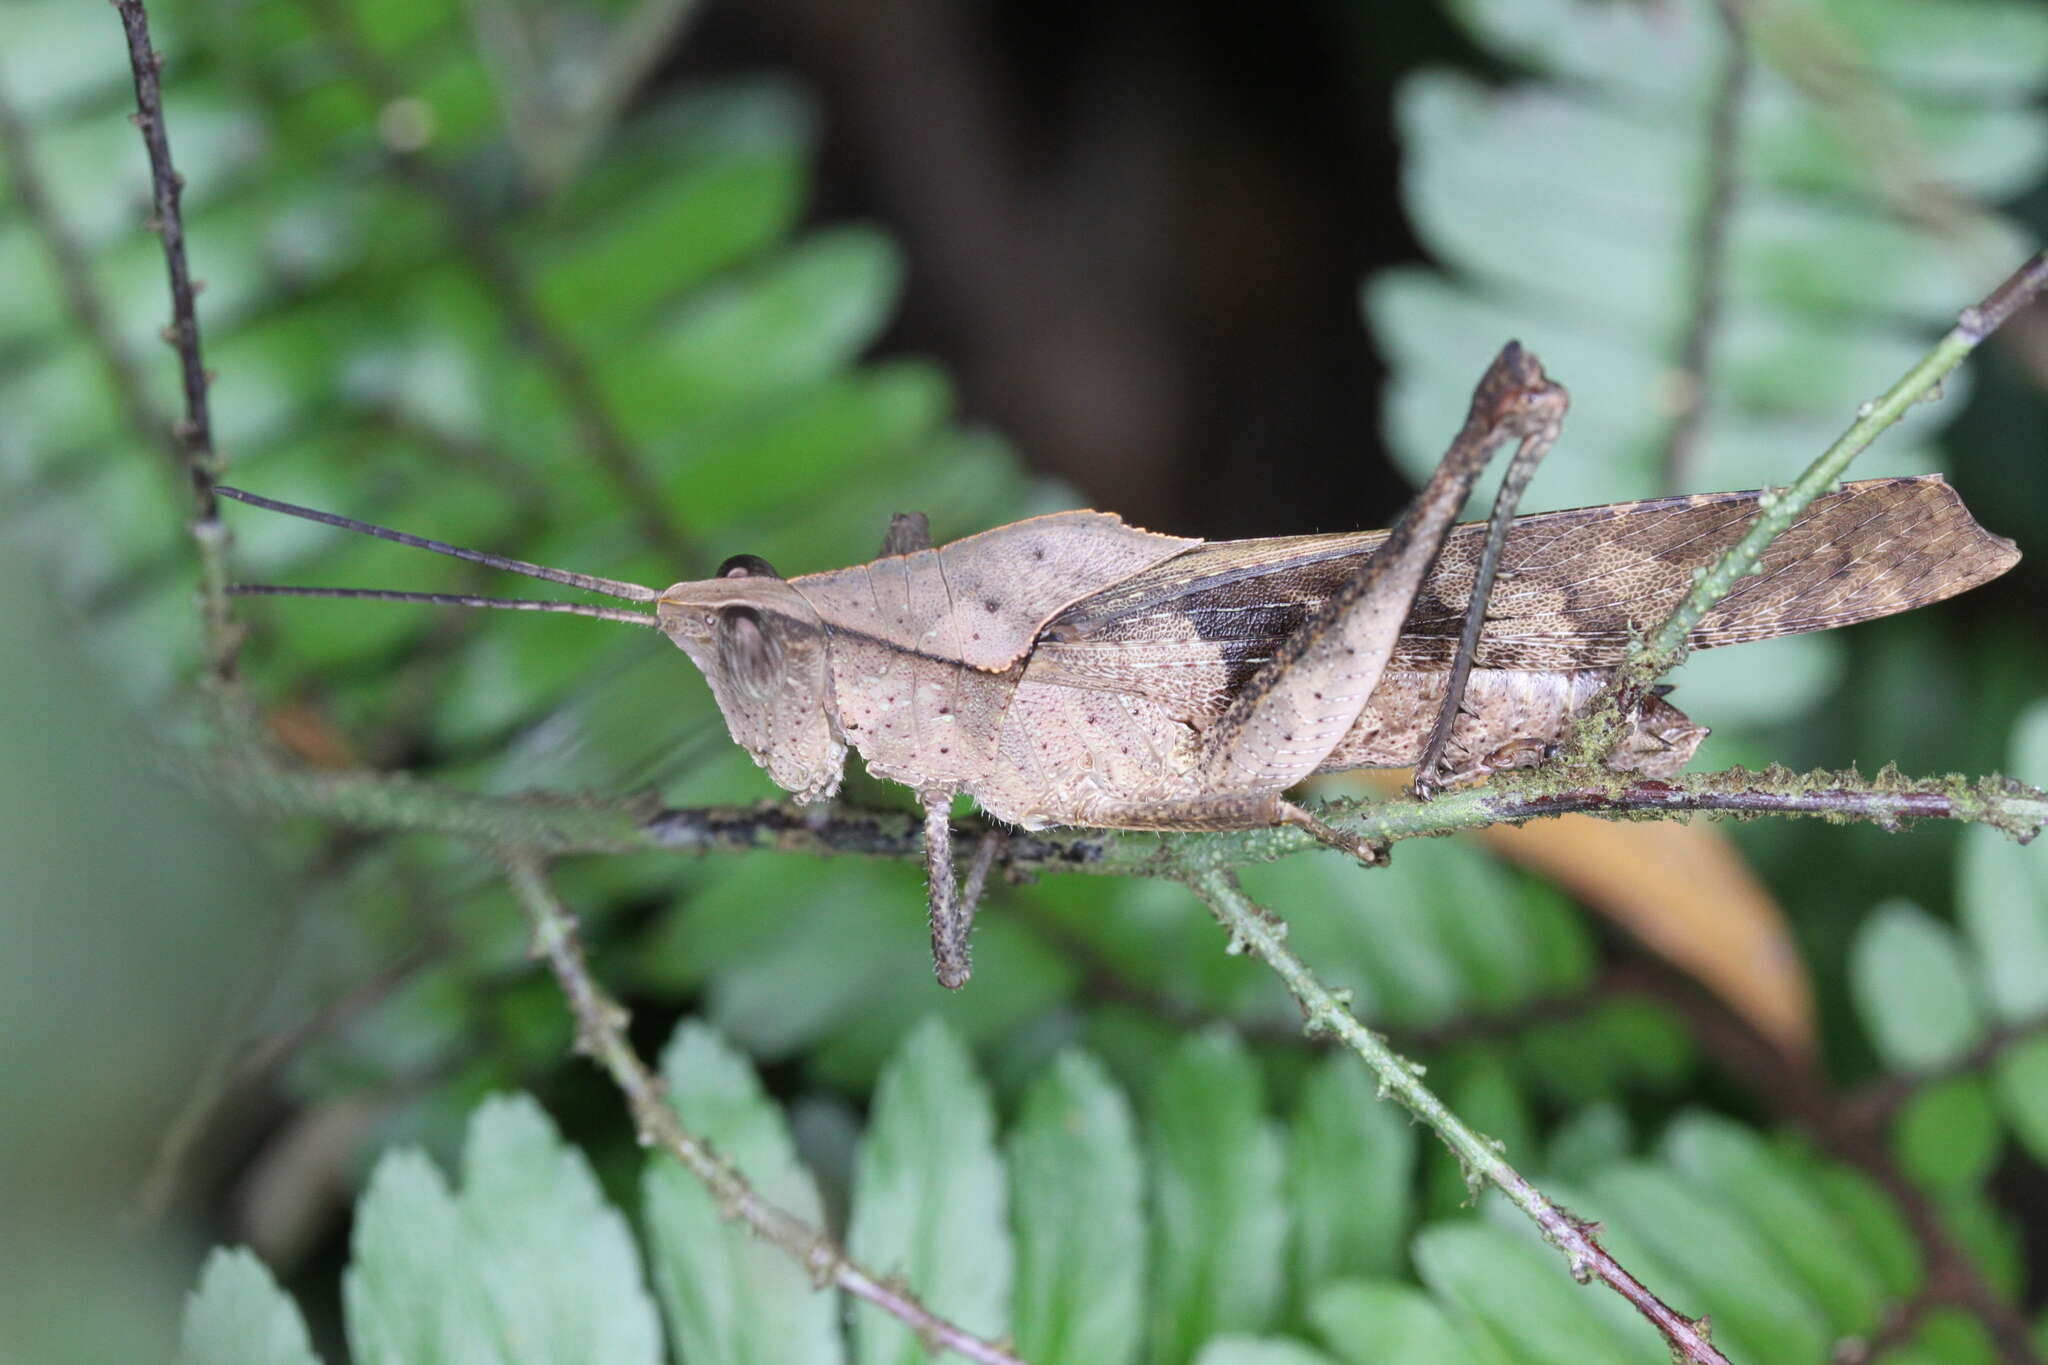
[(1573, 587)]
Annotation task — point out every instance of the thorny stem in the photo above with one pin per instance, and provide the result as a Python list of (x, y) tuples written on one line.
[(543, 825), (1661, 650), (554, 826), (601, 1034), (195, 431), (1258, 931)]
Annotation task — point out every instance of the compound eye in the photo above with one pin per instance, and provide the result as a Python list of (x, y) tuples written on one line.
[(752, 655), (747, 566)]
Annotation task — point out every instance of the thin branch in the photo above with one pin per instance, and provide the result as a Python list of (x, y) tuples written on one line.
[(1258, 931), (601, 1034), (1900, 1325), (195, 1113), (1821, 59), (1833, 69), (464, 451), (551, 824), (238, 1063), (238, 1058), (557, 825), (1693, 379), (195, 431), (485, 252), (325, 1020), (1582, 786), (1662, 648), (218, 1072), (1953, 1275)]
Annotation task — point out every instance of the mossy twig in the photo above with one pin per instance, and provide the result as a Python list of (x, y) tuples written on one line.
[(1256, 930), (552, 825), (195, 430), (601, 1035), (1662, 648)]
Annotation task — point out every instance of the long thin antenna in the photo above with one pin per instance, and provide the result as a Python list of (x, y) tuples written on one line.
[(610, 587), (447, 599)]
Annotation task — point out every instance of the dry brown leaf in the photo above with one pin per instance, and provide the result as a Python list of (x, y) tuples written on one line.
[(1686, 893), (307, 734)]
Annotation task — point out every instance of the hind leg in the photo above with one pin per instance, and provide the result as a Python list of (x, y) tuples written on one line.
[(1290, 715)]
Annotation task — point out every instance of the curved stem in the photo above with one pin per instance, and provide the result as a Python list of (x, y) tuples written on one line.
[(1263, 934), (601, 1034), (195, 430), (549, 824), (1661, 650)]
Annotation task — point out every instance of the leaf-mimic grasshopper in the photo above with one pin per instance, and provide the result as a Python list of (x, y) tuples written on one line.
[(1072, 670)]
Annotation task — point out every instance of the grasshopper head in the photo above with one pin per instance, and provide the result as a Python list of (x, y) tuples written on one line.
[(752, 635), (763, 650)]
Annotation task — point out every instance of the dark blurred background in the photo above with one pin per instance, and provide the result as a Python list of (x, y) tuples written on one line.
[(1136, 231)]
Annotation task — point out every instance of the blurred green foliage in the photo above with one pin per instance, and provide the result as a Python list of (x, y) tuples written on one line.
[(1115, 1145)]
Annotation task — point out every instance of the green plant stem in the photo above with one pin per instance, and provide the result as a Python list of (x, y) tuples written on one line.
[(552, 825), (601, 1035), (1655, 655), (1258, 931)]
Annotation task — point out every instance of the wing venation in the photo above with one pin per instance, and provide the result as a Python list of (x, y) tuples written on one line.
[(1574, 587)]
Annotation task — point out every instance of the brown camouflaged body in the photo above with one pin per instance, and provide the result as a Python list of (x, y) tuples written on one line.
[(927, 647), (1070, 664)]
